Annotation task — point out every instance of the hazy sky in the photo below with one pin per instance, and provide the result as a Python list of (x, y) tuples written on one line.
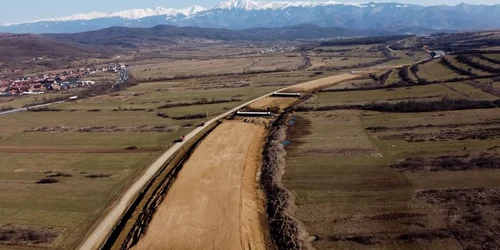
[(26, 10)]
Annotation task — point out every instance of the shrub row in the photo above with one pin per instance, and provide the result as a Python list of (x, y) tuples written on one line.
[(44, 109), (491, 60), (444, 104), (467, 60), (202, 101), (190, 117), (453, 67)]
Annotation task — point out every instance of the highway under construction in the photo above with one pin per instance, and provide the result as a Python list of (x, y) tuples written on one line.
[(205, 192)]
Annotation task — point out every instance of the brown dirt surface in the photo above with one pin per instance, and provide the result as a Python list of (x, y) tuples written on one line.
[(472, 215), (321, 83), (273, 102), (215, 202)]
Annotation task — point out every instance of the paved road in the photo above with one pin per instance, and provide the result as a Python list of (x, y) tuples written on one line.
[(123, 76), (25, 109)]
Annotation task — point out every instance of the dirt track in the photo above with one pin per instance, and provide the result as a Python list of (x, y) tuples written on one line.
[(274, 102), (215, 202), (321, 83)]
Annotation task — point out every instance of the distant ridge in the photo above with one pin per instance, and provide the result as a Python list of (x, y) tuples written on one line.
[(168, 34), (244, 14)]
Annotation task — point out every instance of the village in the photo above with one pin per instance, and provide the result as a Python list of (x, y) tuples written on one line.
[(54, 81)]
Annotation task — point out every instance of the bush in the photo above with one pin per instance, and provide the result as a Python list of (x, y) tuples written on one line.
[(162, 115), (190, 117), (44, 109), (2, 109), (47, 181), (59, 174), (97, 176)]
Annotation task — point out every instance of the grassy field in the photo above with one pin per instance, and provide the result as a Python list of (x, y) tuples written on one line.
[(235, 65), (21, 101), (336, 62), (75, 202), (405, 58), (435, 71), (346, 194), (371, 180), (87, 141), (455, 62), (357, 97), (469, 91)]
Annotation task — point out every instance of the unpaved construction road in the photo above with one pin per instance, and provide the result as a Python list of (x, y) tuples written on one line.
[(215, 203), (323, 82), (114, 213), (274, 102)]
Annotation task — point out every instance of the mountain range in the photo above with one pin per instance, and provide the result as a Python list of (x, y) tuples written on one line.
[(244, 14)]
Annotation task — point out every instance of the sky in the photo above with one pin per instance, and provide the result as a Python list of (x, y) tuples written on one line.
[(27, 10)]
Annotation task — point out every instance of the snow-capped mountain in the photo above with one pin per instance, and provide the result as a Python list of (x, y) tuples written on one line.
[(124, 14), (242, 14)]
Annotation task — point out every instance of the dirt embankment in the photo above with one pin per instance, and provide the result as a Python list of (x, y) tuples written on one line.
[(286, 231), (215, 202)]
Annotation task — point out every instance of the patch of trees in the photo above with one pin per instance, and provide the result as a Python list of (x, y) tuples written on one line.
[(47, 181), (9, 108), (404, 74), (415, 69), (44, 109), (383, 78), (444, 104), (467, 60), (450, 65), (365, 40), (412, 106)]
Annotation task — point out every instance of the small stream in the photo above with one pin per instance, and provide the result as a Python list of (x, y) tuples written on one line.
[(291, 122)]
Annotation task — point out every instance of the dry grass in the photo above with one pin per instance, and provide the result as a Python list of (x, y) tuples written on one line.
[(235, 65), (435, 71)]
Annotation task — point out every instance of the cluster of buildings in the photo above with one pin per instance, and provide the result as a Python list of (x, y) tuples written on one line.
[(278, 50), (52, 81)]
